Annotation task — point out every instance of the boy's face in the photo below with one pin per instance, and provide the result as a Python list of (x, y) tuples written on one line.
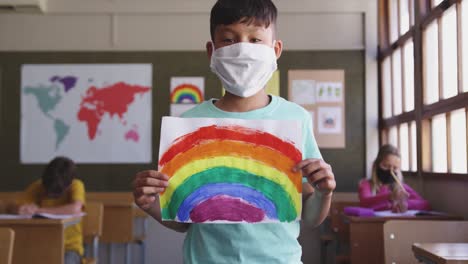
[(226, 35)]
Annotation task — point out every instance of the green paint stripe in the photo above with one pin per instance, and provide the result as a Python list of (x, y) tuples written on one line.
[(282, 200)]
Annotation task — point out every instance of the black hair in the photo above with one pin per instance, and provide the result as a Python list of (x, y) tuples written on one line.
[(226, 12), (58, 176)]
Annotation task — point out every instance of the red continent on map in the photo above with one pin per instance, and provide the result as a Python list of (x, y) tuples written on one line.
[(113, 100)]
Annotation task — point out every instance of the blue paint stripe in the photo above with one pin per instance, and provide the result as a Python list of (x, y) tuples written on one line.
[(190, 97), (238, 190)]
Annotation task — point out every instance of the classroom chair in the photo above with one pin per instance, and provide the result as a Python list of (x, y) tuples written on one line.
[(92, 230), (400, 235), (336, 231), (7, 237), (120, 214)]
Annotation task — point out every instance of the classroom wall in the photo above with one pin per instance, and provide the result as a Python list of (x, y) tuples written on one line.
[(182, 26), (348, 164), (72, 32), (317, 34), (447, 195)]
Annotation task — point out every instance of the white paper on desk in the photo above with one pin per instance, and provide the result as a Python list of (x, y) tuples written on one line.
[(58, 216), (388, 213), (14, 216)]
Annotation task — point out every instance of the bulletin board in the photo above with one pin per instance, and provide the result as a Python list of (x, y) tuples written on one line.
[(322, 94)]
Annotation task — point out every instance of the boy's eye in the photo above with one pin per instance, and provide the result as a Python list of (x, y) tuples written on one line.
[(228, 40), (255, 40)]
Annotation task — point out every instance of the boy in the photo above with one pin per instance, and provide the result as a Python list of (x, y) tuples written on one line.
[(243, 54), (58, 192)]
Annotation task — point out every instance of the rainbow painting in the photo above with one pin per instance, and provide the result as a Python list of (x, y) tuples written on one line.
[(230, 170), (187, 90)]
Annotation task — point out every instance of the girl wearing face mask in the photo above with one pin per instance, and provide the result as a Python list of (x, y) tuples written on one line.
[(386, 190)]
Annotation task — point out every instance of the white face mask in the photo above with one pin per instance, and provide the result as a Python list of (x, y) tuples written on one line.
[(244, 68)]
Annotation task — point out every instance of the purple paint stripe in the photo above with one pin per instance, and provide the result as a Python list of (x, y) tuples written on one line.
[(248, 194), (225, 208)]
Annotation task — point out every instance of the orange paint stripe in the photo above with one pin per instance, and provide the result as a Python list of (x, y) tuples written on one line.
[(216, 148)]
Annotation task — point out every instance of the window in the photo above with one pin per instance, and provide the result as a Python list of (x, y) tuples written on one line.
[(393, 136), (396, 82), (404, 16), (411, 12), (425, 111), (436, 2), (439, 144), (393, 23), (431, 63), (414, 164), (408, 65), (449, 53), (387, 88), (458, 141), (464, 46), (404, 147)]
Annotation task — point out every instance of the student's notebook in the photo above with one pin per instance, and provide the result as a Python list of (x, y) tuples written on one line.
[(41, 215)]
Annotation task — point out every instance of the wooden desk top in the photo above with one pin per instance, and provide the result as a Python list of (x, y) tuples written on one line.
[(359, 219), (441, 253), (40, 221)]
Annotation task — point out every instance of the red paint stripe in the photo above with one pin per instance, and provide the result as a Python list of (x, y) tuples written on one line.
[(185, 86), (236, 133)]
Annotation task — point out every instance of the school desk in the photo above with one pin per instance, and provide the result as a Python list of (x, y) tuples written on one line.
[(366, 236), (38, 239), (441, 253), (400, 235)]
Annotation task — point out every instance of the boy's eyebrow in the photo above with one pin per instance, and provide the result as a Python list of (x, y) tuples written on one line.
[(250, 29)]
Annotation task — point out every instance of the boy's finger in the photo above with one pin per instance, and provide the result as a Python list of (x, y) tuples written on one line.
[(304, 163), (152, 174), (148, 190), (151, 182), (158, 175), (145, 199)]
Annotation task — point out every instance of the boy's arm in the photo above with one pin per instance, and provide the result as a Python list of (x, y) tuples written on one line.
[(71, 208), (315, 205), (76, 193), (317, 200)]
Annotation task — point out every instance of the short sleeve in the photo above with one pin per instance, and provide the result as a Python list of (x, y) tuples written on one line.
[(310, 148), (77, 191)]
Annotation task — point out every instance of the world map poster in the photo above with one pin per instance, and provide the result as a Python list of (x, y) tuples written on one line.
[(92, 113)]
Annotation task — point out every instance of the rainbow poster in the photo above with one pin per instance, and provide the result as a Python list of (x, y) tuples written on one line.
[(187, 90), (230, 170)]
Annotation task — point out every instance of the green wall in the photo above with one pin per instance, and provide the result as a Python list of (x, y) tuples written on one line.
[(348, 164)]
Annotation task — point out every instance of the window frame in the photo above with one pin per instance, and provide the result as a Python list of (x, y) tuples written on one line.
[(423, 14)]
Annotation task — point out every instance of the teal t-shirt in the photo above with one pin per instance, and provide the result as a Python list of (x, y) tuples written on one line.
[(250, 243)]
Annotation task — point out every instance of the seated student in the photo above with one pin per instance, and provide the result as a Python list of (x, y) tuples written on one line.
[(58, 192), (383, 192)]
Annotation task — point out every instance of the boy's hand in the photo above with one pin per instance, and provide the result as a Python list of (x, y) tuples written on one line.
[(318, 173), (27, 209), (146, 186)]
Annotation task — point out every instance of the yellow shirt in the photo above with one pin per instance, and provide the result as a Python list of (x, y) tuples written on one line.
[(35, 193)]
